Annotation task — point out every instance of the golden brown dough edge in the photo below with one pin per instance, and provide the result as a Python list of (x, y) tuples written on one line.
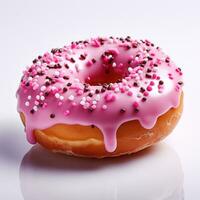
[(87, 141)]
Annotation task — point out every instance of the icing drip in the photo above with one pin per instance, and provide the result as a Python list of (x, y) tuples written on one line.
[(102, 81)]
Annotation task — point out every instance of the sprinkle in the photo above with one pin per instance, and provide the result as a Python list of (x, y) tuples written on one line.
[(27, 103), (104, 107), (61, 98), (43, 88), (109, 97), (149, 88), (89, 63), (67, 112), (35, 108), (57, 95), (56, 73), (135, 104), (52, 115), (29, 97), (42, 98), (130, 69), (114, 64), (71, 97), (122, 110), (146, 93)]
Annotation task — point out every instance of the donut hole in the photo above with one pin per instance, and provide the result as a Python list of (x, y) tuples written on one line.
[(105, 75), (110, 68)]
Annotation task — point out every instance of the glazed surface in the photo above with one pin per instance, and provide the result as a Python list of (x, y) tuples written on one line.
[(102, 82)]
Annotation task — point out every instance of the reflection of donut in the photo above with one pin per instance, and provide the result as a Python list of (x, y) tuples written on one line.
[(78, 98), (48, 176)]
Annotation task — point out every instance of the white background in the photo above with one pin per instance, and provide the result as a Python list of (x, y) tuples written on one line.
[(28, 28)]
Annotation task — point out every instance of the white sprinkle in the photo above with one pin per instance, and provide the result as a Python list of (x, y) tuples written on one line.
[(114, 64), (27, 103), (38, 97), (42, 98), (83, 99), (82, 103), (57, 73), (29, 97), (61, 97), (117, 90), (43, 88), (92, 91), (71, 97), (30, 78), (35, 108), (76, 80), (57, 95), (140, 71), (139, 95), (36, 103), (130, 69), (97, 98), (94, 102)]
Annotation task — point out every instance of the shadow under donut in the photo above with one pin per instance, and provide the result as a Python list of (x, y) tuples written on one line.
[(154, 173)]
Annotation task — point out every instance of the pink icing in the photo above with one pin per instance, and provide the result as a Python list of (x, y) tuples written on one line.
[(55, 89)]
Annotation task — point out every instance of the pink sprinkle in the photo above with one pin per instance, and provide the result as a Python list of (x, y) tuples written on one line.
[(130, 93), (36, 86), (149, 88), (93, 106), (154, 76), (60, 103), (109, 97), (95, 43), (152, 83), (89, 63), (104, 107), (79, 92), (135, 104), (67, 112), (146, 93)]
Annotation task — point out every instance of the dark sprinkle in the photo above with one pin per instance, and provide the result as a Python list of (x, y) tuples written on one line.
[(82, 57), (69, 84), (136, 110), (52, 115), (122, 110), (161, 82), (32, 111), (65, 77), (90, 109), (103, 90), (144, 99), (148, 76), (27, 84), (150, 58), (93, 60), (64, 89), (135, 84), (46, 94), (39, 57), (92, 126), (47, 83), (34, 61), (142, 89), (66, 66), (180, 82), (72, 60), (90, 94), (97, 91), (148, 70)]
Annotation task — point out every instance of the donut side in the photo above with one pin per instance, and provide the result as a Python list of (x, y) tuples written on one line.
[(87, 141)]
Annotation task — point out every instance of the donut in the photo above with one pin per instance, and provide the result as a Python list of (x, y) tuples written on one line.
[(101, 97)]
